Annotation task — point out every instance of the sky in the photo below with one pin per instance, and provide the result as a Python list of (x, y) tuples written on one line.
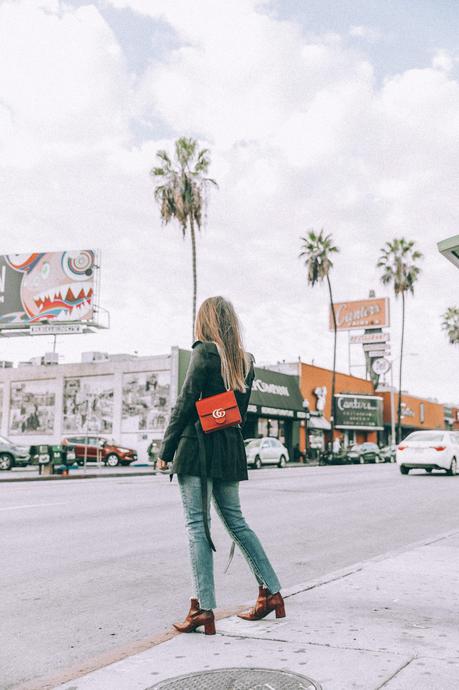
[(342, 115)]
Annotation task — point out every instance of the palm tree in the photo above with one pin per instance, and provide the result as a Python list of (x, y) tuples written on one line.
[(450, 324), (181, 191), (398, 264), (317, 249)]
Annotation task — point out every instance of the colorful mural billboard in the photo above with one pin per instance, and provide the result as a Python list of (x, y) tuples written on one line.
[(32, 407), (46, 287), (146, 401), (88, 404)]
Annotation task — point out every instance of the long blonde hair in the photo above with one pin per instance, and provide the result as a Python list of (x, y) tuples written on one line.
[(217, 322)]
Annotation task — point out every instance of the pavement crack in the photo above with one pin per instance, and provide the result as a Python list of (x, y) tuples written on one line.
[(314, 585), (399, 670)]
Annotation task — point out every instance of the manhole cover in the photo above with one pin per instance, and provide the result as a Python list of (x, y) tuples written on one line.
[(239, 679)]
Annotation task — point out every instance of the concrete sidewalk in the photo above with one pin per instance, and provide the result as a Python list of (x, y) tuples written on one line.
[(390, 623)]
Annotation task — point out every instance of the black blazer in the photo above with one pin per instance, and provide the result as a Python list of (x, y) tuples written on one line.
[(225, 450)]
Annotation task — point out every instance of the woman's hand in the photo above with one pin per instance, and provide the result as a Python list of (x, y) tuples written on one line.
[(161, 465)]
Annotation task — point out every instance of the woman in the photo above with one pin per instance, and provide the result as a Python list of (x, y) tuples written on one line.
[(213, 464)]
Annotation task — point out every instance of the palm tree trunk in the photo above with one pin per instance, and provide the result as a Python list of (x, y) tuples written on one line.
[(195, 275), (399, 408), (332, 416)]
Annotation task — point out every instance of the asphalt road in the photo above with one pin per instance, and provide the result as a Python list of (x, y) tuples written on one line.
[(87, 566)]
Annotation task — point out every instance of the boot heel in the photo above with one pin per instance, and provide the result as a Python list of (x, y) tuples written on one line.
[(209, 628), (280, 610)]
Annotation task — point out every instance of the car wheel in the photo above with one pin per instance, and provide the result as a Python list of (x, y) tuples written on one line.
[(257, 463), (281, 462), (453, 469), (404, 470), (428, 470), (112, 460), (6, 461)]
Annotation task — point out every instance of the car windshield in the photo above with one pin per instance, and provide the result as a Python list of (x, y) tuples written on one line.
[(254, 443), (426, 436)]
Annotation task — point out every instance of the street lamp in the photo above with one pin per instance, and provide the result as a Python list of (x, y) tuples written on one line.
[(450, 249), (392, 402), (306, 428)]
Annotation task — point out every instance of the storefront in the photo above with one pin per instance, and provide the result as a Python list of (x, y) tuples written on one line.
[(417, 413), (275, 408), (451, 416), (316, 386)]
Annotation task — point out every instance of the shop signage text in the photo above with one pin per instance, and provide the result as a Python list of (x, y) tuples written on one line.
[(378, 353), (358, 412), (369, 338), (56, 330), (374, 346), (273, 388), (366, 313)]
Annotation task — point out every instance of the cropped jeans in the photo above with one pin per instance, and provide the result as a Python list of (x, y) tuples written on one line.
[(226, 501)]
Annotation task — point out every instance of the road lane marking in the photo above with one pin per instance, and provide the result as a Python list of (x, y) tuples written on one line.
[(33, 505)]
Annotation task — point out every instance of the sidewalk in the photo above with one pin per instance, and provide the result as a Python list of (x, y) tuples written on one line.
[(30, 473), (389, 623)]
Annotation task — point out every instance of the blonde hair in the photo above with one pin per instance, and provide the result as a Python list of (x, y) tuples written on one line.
[(217, 322)]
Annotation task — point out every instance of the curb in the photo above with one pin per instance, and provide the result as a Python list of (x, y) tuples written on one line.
[(60, 477), (55, 477)]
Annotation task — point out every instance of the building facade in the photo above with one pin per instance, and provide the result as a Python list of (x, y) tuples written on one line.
[(122, 397)]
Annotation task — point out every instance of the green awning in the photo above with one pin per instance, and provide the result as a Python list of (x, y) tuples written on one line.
[(276, 395)]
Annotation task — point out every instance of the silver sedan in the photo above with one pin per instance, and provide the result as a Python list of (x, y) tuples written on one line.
[(265, 451)]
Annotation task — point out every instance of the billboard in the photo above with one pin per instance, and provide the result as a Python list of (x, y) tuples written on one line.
[(358, 412), (361, 314), (54, 287)]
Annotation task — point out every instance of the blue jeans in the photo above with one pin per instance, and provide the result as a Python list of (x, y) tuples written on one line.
[(228, 507)]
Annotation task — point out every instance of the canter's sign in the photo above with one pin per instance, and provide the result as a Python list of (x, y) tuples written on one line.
[(47, 287), (361, 314)]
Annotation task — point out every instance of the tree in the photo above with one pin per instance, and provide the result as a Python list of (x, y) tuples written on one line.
[(181, 192), (317, 249), (450, 324), (398, 264)]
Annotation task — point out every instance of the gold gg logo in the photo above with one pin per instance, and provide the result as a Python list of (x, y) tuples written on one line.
[(218, 414)]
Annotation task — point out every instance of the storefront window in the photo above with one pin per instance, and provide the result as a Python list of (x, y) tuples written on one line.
[(268, 427)]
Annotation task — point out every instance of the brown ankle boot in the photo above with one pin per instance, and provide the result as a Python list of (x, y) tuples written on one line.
[(195, 618), (265, 603)]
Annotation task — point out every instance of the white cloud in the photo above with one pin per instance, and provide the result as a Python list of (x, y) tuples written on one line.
[(301, 137), (365, 32)]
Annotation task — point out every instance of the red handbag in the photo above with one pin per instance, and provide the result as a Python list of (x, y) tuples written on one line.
[(218, 412)]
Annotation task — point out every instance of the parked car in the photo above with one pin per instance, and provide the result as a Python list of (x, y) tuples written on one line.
[(365, 452), (12, 455), (388, 452), (265, 451), (98, 449), (429, 450)]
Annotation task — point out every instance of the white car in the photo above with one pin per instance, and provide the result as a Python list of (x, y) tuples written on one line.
[(429, 450), (265, 451)]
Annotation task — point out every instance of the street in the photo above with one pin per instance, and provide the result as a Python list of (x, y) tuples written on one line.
[(88, 566)]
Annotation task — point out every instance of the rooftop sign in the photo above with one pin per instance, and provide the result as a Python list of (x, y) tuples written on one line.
[(361, 314)]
